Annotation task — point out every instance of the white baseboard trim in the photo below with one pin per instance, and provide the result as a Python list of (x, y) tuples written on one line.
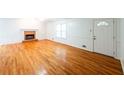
[(116, 57), (122, 63)]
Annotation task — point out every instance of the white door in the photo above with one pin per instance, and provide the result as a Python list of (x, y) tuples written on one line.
[(103, 36)]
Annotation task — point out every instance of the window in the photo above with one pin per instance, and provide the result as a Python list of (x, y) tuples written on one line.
[(103, 23), (58, 29), (61, 30)]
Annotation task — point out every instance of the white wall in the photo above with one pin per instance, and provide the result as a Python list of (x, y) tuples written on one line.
[(122, 42), (11, 29), (78, 32)]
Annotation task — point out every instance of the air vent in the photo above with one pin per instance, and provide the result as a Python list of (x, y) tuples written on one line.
[(84, 46)]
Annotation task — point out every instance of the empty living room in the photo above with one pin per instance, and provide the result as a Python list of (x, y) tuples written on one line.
[(61, 46)]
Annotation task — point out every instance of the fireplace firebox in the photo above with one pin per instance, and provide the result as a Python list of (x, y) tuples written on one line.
[(29, 37)]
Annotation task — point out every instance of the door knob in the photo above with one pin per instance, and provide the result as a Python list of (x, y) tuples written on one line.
[(94, 37)]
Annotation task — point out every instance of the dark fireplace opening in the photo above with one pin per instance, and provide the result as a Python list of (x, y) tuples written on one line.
[(29, 36)]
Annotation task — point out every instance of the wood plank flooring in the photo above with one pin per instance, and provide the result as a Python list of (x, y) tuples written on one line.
[(51, 58)]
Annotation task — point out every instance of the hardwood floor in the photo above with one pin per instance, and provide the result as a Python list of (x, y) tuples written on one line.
[(47, 57)]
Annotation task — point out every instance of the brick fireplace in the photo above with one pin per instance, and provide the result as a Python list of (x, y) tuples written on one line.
[(29, 35)]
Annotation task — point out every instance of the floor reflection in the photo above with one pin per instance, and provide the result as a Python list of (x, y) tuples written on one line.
[(61, 54)]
